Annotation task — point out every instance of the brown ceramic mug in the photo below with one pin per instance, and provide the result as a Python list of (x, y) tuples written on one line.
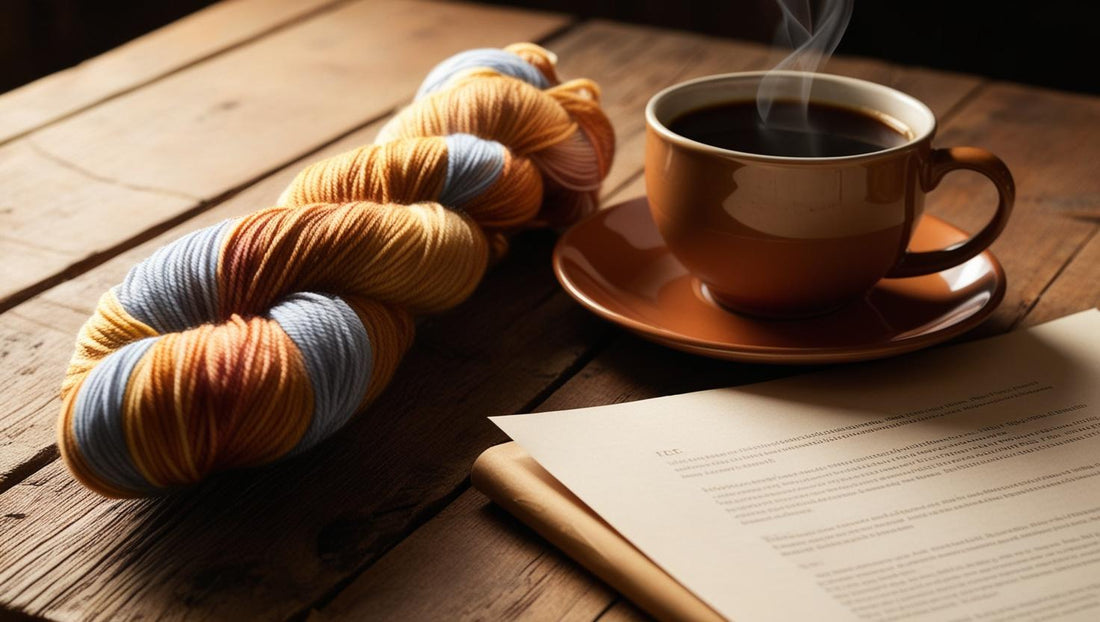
[(790, 236)]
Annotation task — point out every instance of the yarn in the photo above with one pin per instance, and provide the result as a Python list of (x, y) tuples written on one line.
[(259, 337)]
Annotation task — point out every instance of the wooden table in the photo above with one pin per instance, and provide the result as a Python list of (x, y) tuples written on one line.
[(209, 118)]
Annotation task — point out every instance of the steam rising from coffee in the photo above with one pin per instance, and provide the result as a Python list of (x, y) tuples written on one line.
[(812, 30)]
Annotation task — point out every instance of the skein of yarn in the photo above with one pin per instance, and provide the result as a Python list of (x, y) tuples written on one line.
[(259, 337)]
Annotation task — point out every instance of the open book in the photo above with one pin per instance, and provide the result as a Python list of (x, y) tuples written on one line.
[(956, 484)]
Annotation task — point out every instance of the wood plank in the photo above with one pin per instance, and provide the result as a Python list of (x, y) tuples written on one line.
[(86, 187), (500, 570), (942, 91), (516, 368), (1077, 288), (632, 368), (423, 436), (38, 357), (1051, 141), (629, 370), (328, 527), (187, 41)]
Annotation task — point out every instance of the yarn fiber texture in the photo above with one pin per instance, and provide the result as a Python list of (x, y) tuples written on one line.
[(259, 337)]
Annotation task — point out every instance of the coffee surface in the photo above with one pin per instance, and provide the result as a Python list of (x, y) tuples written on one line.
[(791, 129)]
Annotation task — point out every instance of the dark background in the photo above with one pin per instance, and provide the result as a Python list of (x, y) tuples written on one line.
[(1044, 42)]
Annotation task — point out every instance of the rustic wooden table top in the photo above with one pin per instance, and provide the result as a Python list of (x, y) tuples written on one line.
[(209, 118)]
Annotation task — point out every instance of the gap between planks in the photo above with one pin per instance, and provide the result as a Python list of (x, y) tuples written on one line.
[(200, 206), (49, 454), (97, 258), (1050, 284), (240, 94)]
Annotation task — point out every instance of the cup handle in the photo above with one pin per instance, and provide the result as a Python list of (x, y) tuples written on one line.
[(942, 162)]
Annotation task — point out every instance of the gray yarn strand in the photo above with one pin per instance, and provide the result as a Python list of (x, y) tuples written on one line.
[(176, 288), (338, 357), (501, 61), (473, 164), (97, 420)]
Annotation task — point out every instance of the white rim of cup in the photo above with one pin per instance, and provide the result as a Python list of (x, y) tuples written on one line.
[(660, 128)]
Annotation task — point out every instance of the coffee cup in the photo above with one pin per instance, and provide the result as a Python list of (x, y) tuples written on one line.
[(785, 225)]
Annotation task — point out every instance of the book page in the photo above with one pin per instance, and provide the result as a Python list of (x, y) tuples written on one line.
[(956, 484)]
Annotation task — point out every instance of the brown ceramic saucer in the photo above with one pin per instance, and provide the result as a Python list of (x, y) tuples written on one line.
[(615, 263)]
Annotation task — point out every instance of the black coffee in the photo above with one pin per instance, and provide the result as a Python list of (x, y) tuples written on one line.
[(821, 130)]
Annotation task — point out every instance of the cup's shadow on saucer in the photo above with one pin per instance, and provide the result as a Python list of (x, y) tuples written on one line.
[(616, 264)]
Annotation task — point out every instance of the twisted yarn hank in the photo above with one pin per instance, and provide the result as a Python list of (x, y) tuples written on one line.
[(259, 337)]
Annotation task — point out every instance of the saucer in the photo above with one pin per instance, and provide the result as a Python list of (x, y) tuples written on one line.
[(615, 263)]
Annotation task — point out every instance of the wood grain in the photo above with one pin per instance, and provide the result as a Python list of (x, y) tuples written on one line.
[(185, 42), (394, 483), (287, 539), (1051, 142), (1077, 288), (631, 369), (549, 334), (268, 543), (499, 570), (88, 186), (35, 359), (65, 307), (37, 337)]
